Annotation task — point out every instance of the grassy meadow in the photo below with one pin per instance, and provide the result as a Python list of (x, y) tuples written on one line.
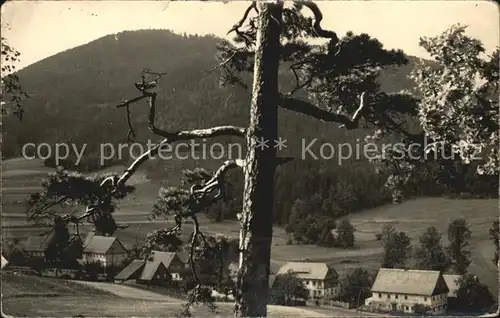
[(32, 296), (21, 177)]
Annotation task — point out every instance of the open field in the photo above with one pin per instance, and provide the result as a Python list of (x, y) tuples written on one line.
[(16, 285), (92, 307), (412, 217), (61, 298)]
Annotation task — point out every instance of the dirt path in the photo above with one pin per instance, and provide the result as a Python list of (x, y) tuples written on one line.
[(130, 292), (155, 299)]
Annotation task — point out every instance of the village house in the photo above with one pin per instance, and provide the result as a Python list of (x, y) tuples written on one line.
[(132, 271), (145, 272), (35, 246), (452, 283), (107, 250), (4, 261), (319, 278), (172, 263), (184, 257), (400, 290), (160, 268)]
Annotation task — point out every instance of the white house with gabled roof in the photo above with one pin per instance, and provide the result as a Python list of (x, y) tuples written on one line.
[(402, 290), (319, 278), (107, 250)]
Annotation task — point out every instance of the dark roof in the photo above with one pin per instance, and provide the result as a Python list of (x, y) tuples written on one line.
[(183, 257), (452, 283), (130, 270), (165, 257), (410, 282), (37, 243), (99, 244), (150, 269)]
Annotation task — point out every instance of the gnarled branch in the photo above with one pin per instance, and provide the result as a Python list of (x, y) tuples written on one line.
[(206, 133), (307, 108), (137, 162), (216, 182), (236, 28), (245, 15), (318, 17), (188, 134), (130, 101)]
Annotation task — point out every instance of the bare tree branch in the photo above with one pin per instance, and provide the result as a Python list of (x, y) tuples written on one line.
[(217, 180), (238, 25), (135, 165), (247, 36), (183, 135), (133, 100), (131, 132), (193, 134), (318, 17), (207, 133), (307, 108), (196, 233), (223, 63)]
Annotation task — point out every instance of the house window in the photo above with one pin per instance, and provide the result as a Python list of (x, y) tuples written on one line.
[(396, 296), (379, 295), (406, 296), (425, 298), (388, 296)]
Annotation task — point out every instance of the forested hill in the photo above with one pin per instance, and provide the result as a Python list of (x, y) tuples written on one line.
[(73, 93), (73, 98)]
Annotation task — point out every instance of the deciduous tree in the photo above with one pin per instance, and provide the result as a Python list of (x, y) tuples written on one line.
[(430, 254), (11, 91), (397, 248), (457, 116), (356, 286), (344, 234), (458, 251), (286, 289), (472, 295)]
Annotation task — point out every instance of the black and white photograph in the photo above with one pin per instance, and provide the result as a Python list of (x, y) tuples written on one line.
[(250, 158)]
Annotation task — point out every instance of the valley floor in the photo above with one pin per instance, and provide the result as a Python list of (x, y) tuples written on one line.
[(109, 299)]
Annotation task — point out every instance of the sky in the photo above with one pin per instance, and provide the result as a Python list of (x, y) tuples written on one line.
[(39, 29)]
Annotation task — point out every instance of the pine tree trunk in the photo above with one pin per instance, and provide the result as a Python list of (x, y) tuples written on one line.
[(257, 215)]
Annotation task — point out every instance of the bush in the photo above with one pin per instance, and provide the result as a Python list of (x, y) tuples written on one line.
[(344, 234), (37, 264), (472, 295), (17, 257), (421, 309), (93, 270)]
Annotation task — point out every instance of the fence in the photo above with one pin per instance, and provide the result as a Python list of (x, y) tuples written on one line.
[(174, 293), (331, 303)]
